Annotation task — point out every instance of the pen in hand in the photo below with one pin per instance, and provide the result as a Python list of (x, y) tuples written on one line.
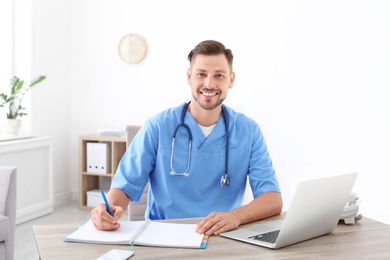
[(106, 202)]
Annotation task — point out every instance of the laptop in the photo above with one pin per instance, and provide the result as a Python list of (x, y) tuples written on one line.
[(314, 211)]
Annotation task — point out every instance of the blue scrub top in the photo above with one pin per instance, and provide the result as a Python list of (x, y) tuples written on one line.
[(149, 154)]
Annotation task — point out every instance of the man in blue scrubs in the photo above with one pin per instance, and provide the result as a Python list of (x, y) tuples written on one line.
[(196, 177)]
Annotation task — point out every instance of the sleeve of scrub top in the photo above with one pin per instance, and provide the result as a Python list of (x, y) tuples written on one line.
[(261, 173), (137, 163)]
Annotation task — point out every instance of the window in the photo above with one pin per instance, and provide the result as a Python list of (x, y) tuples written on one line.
[(6, 43), (15, 49)]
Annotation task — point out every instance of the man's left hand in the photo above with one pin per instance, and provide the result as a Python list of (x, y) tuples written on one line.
[(217, 222)]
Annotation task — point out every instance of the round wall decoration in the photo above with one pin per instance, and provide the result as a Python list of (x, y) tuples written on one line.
[(132, 48)]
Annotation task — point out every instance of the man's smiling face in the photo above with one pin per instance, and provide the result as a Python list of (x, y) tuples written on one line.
[(210, 78)]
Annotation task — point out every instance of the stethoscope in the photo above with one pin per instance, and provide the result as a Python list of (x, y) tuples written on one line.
[(225, 180)]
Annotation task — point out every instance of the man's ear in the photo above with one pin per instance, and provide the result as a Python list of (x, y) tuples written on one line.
[(232, 78), (189, 72)]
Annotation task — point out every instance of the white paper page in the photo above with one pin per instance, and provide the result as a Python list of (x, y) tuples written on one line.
[(170, 235), (87, 233)]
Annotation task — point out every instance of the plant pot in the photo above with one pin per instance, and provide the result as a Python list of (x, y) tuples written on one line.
[(11, 126)]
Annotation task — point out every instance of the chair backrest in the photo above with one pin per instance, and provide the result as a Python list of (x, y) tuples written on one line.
[(8, 207), (136, 210)]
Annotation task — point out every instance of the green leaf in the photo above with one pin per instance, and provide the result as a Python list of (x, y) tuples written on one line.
[(17, 92), (37, 80)]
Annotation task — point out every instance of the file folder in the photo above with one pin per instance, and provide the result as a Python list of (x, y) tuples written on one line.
[(98, 157)]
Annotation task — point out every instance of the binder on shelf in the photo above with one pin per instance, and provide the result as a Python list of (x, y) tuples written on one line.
[(91, 157), (104, 162), (98, 157)]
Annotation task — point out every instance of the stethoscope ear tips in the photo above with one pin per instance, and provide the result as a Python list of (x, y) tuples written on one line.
[(225, 180)]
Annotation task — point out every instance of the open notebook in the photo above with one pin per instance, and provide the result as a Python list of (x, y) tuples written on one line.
[(314, 211), (146, 233)]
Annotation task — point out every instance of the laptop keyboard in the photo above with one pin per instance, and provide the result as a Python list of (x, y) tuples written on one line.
[(269, 237)]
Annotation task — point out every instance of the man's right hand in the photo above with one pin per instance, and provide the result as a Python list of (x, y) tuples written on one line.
[(102, 220)]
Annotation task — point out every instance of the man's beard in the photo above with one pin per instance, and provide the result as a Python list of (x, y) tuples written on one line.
[(218, 103)]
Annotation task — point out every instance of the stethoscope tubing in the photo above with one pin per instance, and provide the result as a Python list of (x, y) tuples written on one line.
[(225, 180)]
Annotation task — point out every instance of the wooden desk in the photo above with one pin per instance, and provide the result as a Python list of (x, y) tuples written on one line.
[(367, 239)]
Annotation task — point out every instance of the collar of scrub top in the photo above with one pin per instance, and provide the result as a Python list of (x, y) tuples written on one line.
[(225, 180)]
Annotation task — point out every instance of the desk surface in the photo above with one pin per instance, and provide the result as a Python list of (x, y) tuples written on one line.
[(366, 239)]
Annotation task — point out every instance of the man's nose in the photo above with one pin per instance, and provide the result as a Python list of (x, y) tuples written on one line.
[(207, 82)]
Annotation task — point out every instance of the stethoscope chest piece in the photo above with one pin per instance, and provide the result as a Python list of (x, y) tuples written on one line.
[(225, 180)]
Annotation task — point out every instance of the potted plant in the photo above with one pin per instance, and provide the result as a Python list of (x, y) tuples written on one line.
[(13, 102)]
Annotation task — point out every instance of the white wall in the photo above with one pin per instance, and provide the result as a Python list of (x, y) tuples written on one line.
[(51, 101), (313, 74)]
